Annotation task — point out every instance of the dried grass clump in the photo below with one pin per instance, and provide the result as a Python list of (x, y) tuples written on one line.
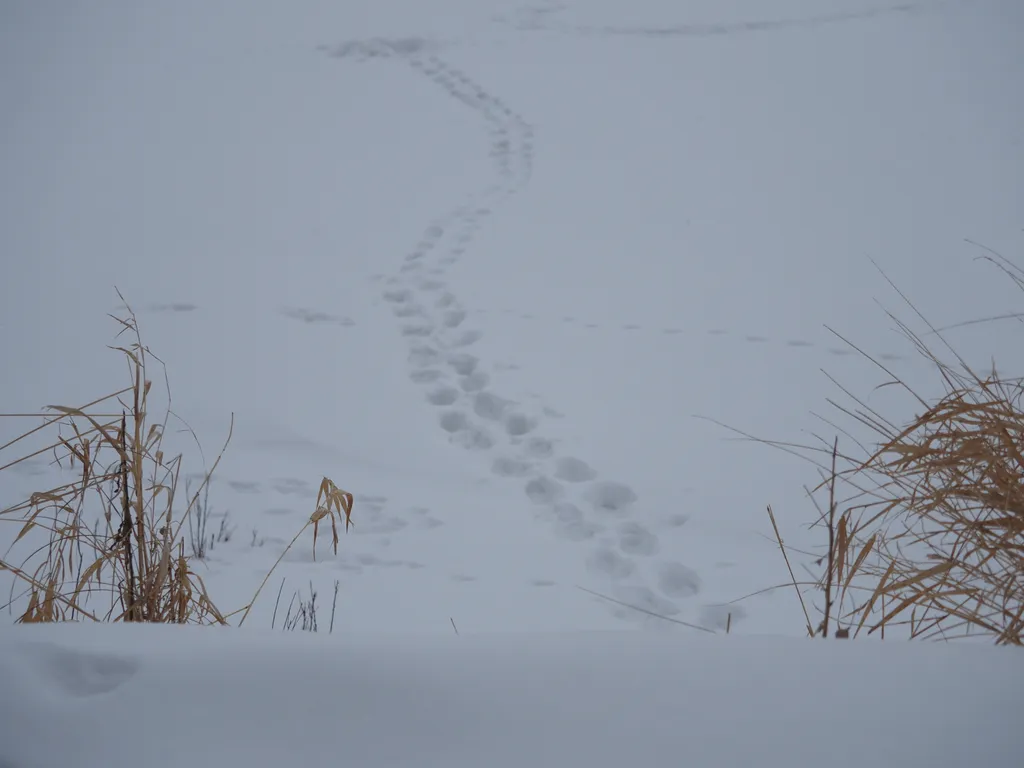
[(331, 503), (130, 563), (930, 542), (948, 512)]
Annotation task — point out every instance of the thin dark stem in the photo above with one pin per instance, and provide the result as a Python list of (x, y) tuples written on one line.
[(277, 602), (831, 540), (334, 605)]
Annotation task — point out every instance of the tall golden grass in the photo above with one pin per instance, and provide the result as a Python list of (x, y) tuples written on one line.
[(929, 543), (132, 565)]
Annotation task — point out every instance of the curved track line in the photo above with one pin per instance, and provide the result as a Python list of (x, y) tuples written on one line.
[(543, 18), (563, 491)]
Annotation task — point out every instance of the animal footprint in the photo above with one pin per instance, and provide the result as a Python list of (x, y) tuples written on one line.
[(399, 296), (454, 421), (418, 329), (464, 433), (463, 363), (474, 382), (518, 424), (677, 580), (34, 468), (573, 470), (540, 447), (543, 490), (489, 406), (611, 497), (290, 486), (467, 338), (425, 376), (380, 526), (431, 285), (78, 674), (453, 318), (175, 307), (244, 486), (571, 525), (424, 356), (505, 466), (444, 395), (406, 311), (608, 562), (634, 539)]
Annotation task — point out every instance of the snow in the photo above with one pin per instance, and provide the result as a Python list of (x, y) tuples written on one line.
[(482, 263), (168, 696)]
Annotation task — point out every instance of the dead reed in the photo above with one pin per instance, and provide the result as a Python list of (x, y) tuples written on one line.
[(928, 543), (132, 563)]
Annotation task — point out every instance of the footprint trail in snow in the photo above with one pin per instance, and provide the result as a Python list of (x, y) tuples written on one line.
[(622, 554)]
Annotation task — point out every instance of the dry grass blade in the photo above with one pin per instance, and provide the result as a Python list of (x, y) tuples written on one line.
[(645, 611), (792, 576), (130, 566), (330, 501), (940, 500)]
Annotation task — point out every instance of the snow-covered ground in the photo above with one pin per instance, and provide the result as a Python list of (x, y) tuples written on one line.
[(482, 262), (166, 697)]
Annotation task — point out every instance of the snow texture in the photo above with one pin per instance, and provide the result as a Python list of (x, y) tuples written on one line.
[(171, 696), (481, 262)]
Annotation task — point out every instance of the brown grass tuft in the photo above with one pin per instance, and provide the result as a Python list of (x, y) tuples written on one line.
[(930, 542), (943, 504), (948, 515), (131, 564)]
